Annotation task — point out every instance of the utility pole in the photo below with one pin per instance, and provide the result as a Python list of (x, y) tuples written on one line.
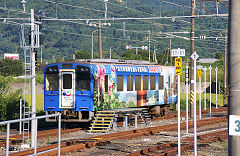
[(149, 43), (192, 62), (100, 39), (233, 76), (110, 50), (23, 3), (225, 71), (124, 30), (105, 1)]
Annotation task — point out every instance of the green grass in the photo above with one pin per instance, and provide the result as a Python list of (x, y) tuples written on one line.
[(213, 100), (40, 102)]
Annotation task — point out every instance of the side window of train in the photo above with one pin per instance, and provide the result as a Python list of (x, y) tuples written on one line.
[(160, 82), (138, 82), (51, 78), (106, 83), (119, 83), (152, 82), (82, 78), (169, 81), (145, 82), (129, 83)]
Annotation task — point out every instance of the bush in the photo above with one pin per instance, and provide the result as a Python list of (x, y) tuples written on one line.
[(9, 102)]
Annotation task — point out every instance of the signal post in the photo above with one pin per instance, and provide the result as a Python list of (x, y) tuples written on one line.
[(194, 57), (178, 71)]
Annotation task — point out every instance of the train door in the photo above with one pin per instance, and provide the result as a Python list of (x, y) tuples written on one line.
[(84, 98), (67, 89)]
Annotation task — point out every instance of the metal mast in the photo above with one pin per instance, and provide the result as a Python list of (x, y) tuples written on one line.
[(30, 77), (27, 84)]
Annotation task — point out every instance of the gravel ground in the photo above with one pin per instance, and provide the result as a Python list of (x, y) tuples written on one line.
[(123, 147)]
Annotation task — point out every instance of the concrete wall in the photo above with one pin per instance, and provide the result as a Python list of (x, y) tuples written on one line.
[(39, 87)]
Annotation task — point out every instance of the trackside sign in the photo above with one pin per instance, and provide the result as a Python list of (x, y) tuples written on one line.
[(178, 52)]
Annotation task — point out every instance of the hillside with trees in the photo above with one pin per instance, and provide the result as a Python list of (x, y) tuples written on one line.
[(62, 39)]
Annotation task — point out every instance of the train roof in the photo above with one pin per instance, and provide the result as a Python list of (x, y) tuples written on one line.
[(110, 61)]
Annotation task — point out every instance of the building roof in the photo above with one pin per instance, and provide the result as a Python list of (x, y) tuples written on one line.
[(207, 60)]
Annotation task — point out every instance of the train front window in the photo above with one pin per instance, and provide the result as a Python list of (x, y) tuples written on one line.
[(67, 81), (82, 78), (51, 76), (51, 82)]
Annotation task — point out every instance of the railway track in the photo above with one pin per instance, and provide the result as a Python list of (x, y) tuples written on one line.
[(187, 144), (53, 132), (81, 144)]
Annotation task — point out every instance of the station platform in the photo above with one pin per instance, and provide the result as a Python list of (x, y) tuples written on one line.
[(106, 120)]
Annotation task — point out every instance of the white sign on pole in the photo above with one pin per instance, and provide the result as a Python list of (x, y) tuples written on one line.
[(194, 56), (234, 125), (178, 52)]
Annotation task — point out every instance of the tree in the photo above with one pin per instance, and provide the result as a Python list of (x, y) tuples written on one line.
[(219, 55), (83, 54), (11, 67), (131, 55)]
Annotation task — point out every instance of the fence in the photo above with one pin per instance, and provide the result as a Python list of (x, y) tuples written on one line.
[(35, 118)]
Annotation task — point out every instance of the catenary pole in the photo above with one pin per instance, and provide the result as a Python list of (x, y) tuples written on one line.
[(33, 90), (234, 72), (92, 43)]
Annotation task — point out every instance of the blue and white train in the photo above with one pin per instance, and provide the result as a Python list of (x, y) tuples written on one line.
[(78, 89)]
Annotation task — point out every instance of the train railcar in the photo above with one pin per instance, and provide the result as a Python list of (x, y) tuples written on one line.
[(78, 89)]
